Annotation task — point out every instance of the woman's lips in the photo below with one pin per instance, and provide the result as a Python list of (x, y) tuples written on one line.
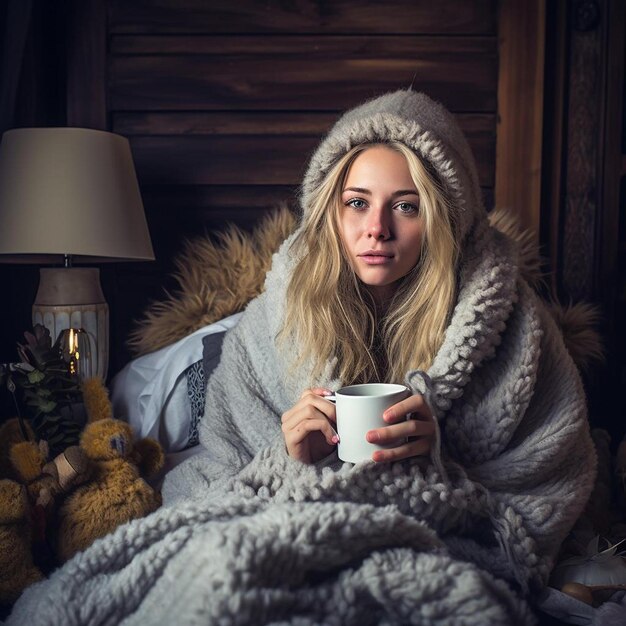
[(376, 258)]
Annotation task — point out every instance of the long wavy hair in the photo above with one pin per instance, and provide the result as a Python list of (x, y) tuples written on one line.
[(331, 314)]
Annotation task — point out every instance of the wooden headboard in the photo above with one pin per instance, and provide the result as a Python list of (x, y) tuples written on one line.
[(224, 102)]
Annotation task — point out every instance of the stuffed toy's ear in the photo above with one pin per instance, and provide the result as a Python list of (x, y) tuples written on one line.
[(96, 400), (148, 456)]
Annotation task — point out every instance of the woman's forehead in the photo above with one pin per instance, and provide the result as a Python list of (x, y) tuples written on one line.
[(379, 166)]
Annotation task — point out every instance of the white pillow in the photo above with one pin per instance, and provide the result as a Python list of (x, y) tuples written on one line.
[(150, 392)]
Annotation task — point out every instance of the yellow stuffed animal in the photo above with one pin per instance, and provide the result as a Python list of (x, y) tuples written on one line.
[(116, 493), (17, 569), (29, 494)]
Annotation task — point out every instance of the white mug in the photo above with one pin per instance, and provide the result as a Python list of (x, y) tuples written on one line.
[(360, 409)]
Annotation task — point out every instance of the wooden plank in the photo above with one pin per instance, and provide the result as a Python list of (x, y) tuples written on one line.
[(221, 160), (555, 69), (226, 199), (306, 73), (258, 123), (520, 109), (179, 212), (222, 123), (305, 16), (86, 64), (246, 159), (330, 47)]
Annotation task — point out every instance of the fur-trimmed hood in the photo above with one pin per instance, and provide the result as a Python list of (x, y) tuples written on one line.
[(423, 125)]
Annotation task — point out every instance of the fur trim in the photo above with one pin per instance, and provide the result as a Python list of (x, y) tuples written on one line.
[(530, 260), (578, 324), (216, 278)]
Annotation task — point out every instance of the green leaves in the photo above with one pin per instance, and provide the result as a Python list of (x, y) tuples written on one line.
[(46, 389), (35, 377)]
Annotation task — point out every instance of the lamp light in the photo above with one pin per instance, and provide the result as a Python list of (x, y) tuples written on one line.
[(70, 195)]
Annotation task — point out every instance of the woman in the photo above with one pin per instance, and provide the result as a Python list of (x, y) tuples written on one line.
[(381, 219), (501, 413), (393, 275)]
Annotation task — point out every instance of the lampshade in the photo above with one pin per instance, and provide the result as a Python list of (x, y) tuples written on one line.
[(69, 191), (70, 195)]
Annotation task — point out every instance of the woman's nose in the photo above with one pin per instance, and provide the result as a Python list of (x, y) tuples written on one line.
[(378, 227)]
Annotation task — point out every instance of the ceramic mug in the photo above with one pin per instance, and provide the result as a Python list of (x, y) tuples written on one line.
[(360, 409)]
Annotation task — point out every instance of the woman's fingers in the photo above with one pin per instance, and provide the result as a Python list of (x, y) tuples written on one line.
[(317, 391), (308, 426), (419, 447), (298, 432), (308, 403), (413, 404), (418, 431), (408, 428)]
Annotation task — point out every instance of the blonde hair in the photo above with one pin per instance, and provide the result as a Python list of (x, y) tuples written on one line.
[(331, 314)]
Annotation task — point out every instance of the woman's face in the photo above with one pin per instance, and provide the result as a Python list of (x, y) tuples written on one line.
[(380, 221)]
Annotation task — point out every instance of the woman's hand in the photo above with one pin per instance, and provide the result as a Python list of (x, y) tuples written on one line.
[(419, 430), (308, 427)]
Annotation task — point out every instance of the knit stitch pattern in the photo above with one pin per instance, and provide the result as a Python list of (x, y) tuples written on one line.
[(285, 543)]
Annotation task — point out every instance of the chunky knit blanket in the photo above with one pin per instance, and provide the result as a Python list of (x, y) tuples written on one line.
[(250, 536), (285, 543)]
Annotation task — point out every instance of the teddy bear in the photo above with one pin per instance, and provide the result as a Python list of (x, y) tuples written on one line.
[(117, 491), (17, 568), (28, 492), (82, 494)]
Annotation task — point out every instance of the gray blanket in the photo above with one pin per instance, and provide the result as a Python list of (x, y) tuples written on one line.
[(284, 543), (250, 536)]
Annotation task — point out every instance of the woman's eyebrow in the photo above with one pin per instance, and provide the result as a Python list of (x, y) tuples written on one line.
[(357, 189), (404, 192), (400, 192)]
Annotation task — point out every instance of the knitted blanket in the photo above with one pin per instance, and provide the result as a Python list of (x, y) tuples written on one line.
[(284, 543), (251, 536), (464, 536)]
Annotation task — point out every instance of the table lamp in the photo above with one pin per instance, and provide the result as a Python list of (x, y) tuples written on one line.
[(70, 195)]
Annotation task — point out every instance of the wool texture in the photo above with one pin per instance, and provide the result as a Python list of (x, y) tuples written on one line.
[(250, 536)]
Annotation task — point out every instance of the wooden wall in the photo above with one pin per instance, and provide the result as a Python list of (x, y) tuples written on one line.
[(223, 103)]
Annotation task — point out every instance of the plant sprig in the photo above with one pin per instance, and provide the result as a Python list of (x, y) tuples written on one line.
[(47, 389)]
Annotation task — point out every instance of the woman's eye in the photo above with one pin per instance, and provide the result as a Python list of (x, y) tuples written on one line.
[(406, 207), (356, 203)]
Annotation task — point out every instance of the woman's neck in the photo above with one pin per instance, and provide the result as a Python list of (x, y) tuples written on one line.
[(381, 298)]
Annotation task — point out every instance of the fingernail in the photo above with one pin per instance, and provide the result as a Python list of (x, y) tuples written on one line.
[(372, 436), (335, 439), (387, 415), (325, 392)]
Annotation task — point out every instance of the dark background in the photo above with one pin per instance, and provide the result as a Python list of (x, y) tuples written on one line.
[(223, 103)]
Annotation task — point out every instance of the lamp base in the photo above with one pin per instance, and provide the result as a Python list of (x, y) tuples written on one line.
[(71, 297)]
